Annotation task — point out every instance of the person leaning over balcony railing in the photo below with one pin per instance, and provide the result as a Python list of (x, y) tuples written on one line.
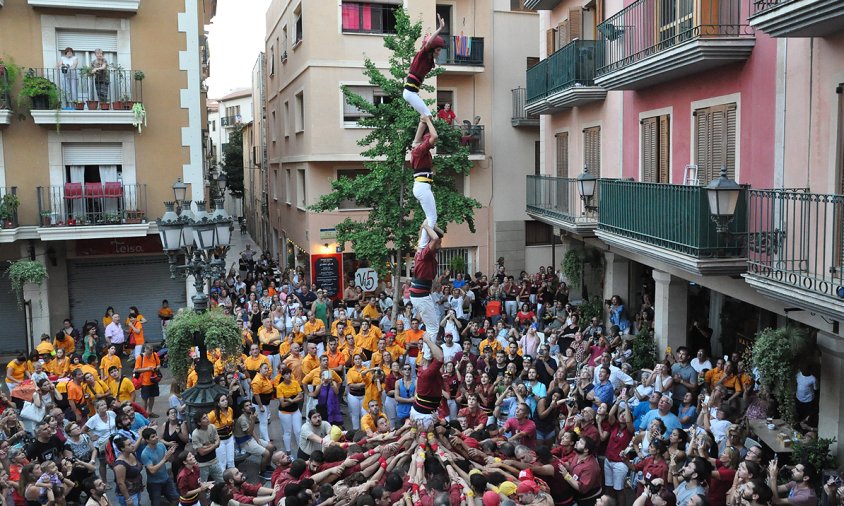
[(99, 69)]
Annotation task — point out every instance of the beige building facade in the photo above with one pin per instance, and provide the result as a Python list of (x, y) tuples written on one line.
[(312, 135), (91, 171)]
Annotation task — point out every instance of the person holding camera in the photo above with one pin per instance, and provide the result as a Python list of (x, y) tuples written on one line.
[(656, 494), (68, 64)]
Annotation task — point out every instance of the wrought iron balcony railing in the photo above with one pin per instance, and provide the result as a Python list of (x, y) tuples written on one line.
[(796, 239), (649, 27), (570, 66), (668, 216), (557, 198), (108, 203), (85, 89)]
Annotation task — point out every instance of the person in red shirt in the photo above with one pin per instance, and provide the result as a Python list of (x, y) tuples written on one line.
[(422, 163), (422, 64), (446, 114), (653, 466), (584, 473), (620, 434), (522, 428), (247, 493)]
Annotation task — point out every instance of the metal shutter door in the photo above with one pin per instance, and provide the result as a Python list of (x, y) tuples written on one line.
[(87, 41), (143, 282), (81, 153), (13, 336)]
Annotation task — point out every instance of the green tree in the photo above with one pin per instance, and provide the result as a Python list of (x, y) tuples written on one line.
[(233, 162), (391, 229)]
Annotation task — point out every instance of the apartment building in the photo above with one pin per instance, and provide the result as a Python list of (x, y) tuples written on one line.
[(312, 133), (231, 111), (679, 91), (92, 173)]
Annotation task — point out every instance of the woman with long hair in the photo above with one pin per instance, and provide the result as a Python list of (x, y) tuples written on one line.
[(723, 475), (222, 416), (127, 473), (90, 341), (27, 488), (547, 413), (290, 396), (176, 432)]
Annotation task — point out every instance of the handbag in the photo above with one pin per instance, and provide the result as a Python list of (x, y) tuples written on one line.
[(156, 376), (32, 413)]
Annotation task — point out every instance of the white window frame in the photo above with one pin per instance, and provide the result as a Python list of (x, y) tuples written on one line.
[(287, 187), (275, 185), (299, 112), (710, 102), (376, 92), (301, 190), (298, 35), (286, 119)]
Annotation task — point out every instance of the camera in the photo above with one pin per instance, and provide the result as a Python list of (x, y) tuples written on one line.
[(654, 488), (64, 69)]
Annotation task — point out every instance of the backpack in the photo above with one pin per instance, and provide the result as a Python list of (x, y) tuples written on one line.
[(109, 451)]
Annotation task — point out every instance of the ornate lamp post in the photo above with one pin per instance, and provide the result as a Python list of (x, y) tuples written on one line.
[(723, 195), (204, 240), (586, 183)]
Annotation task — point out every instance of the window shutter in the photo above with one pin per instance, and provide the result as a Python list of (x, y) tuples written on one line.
[(87, 41), (562, 154), (649, 150), (80, 153), (730, 141), (718, 148), (550, 38), (702, 143), (592, 150), (562, 34), (363, 91), (664, 149), (575, 24)]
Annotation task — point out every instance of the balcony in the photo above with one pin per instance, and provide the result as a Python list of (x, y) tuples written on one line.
[(96, 5), (462, 55), (231, 121), (653, 41), (671, 224), (798, 18), (795, 250), (91, 210), (541, 5), (5, 100), (80, 97), (520, 117), (565, 79), (556, 201)]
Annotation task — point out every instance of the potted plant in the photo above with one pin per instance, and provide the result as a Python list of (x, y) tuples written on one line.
[(71, 221), (8, 76), (120, 72), (8, 209), (209, 330), (46, 219), (21, 272), (139, 119), (773, 354), (112, 218), (79, 105), (105, 106), (41, 91)]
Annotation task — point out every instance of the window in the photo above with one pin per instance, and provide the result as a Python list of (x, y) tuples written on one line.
[(284, 44), (459, 183), (373, 95), (539, 234), (655, 149), (301, 198), (445, 97), (447, 259), (286, 119), (562, 166), (213, 125), (518, 5), (287, 187), (300, 112), (350, 174), (364, 17), (715, 141), (272, 60), (592, 150), (297, 25), (272, 127), (275, 184)]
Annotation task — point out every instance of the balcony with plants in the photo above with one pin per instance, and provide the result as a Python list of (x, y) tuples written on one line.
[(565, 79), (795, 250), (672, 224), (84, 96), (798, 18), (653, 41), (86, 210), (124, 6), (558, 202), (8, 76)]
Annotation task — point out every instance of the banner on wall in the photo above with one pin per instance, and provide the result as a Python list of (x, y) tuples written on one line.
[(327, 273)]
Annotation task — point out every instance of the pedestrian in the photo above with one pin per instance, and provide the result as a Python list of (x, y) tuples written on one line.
[(154, 457), (147, 367)]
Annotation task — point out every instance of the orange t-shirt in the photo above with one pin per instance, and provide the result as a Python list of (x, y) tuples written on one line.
[(74, 393), (144, 361), (137, 336)]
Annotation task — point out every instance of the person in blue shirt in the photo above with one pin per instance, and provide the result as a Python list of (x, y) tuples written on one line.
[(154, 457), (603, 391), (663, 412), (139, 421), (643, 407)]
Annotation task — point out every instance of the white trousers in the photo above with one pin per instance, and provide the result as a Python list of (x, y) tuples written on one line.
[(423, 193), (291, 423), (355, 409), (139, 349), (225, 453), (390, 410), (415, 101), (427, 312), (263, 422)]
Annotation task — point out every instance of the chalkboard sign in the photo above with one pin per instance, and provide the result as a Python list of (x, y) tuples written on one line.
[(326, 273)]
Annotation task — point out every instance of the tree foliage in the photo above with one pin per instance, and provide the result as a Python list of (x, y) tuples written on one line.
[(392, 225), (218, 329), (774, 354), (233, 162)]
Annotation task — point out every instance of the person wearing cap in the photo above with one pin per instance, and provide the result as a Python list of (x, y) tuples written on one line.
[(584, 473), (528, 492)]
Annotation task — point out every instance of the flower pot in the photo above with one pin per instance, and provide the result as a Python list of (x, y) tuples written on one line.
[(104, 106), (40, 102), (46, 221), (79, 106), (93, 104), (117, 105), (8, 224)]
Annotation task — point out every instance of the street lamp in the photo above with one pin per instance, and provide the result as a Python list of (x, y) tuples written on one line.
[(201, 239), (221, 183), (723, 194), (586, 183)]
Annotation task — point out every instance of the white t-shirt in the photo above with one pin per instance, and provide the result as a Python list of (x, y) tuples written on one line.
[(700, 366), (102, 430), (449, 352), (806, 387), (719, 429)]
